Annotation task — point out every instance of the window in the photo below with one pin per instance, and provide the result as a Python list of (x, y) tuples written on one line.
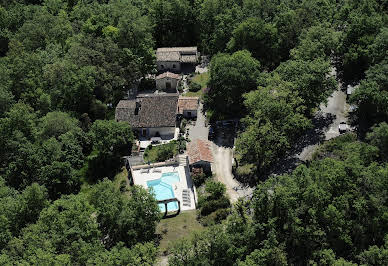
[(173, 66), (189, 114), (162, 66)]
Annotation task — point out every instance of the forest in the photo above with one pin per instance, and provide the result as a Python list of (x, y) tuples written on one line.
[(64, 66)]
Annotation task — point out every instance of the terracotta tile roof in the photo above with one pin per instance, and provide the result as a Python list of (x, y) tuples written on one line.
[(199, 150), (187, 103), (149, 111), (168, 75)]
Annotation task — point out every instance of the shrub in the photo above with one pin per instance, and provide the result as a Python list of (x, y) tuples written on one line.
[(199, 179), (215, 189), (213, 205), (123, 186), (147, 84), (161, 153), (194, 87)]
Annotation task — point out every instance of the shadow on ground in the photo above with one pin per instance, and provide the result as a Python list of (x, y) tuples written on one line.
[(304, 145)]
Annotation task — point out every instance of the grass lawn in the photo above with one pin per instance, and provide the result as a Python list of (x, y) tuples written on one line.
[(177, 227), (160, 153), (201, 79), (194, 94)]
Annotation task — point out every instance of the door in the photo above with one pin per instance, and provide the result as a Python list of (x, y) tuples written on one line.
[(168, 85), (144, 132)]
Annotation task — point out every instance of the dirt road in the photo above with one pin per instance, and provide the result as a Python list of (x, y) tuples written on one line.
[(223, 170), (334, 113), (222, 167)]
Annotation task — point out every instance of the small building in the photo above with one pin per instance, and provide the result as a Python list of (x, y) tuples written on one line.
[(167, 81), (188, 106), (200, 154), (151, 115), (177, 59)]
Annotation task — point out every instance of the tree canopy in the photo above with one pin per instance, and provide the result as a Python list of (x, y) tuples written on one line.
[(64, 66), (230, 77)]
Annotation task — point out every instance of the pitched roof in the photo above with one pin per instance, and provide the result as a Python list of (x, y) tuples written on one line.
[(168, 75), (148, 111), (199, 150), (187, 103), (177, 54), (168, 56), (192, 49)]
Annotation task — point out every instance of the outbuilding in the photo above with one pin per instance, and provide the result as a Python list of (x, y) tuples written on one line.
[(167, 82), (200, 154), (188, 106), (177, 59)]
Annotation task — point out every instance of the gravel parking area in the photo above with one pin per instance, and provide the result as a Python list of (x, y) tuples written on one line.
[(199, 130)]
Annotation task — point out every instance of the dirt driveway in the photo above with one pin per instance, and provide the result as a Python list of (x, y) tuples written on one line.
[(222, 167), (199, 130)]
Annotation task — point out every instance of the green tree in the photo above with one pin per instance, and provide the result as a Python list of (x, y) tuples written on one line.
[(311, 79), (375, 255), (259, 38), (43, 28), (111, 140), (140, 254), (171, 19), (109, 136), (217, 20), (67, 228), (6, 97), (129, 220), (363, 23), (55, 124), (371, 97), (318, 41), (230, 77), (379, 138), (275, 120), (209, 247)]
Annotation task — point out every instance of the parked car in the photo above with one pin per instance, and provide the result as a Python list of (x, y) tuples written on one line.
[(156, 140), (212, 133), (343, 127), (228, 123)]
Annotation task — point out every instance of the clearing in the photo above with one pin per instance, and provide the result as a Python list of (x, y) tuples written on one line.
[(172, 229), (202, 80)]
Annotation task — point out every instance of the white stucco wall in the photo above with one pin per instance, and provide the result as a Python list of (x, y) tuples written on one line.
[(168, 66), (163, 131)]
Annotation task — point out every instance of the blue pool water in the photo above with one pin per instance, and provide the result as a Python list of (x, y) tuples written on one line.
[(163, 189)]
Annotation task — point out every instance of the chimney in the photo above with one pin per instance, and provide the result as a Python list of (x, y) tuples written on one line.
[(138, 107)]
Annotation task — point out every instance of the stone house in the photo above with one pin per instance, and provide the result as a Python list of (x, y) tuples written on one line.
[(188, 106), (177, 59), (167, 82), (151, 115)]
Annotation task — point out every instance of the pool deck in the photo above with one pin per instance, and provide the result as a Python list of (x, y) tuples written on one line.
[(141, 176)]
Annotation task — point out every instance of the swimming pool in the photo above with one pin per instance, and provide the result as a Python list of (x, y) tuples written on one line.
[(162, 188)]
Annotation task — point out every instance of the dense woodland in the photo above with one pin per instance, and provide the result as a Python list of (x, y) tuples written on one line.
[(65, 64)]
